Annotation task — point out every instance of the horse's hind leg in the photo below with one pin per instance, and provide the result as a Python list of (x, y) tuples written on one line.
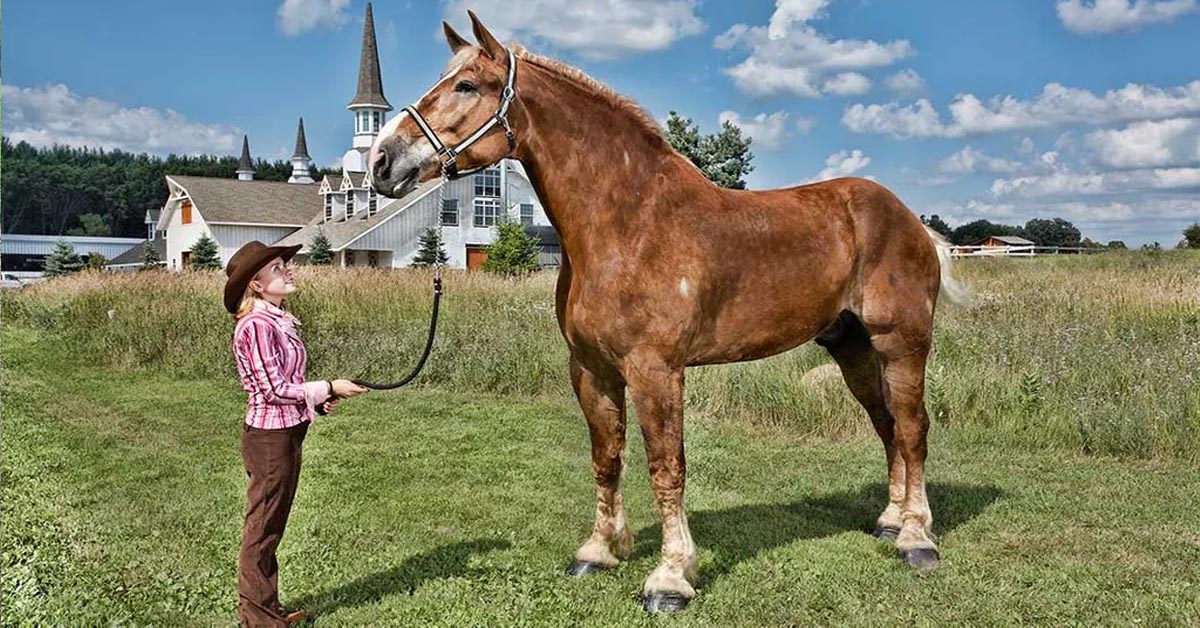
[(904, 351), (862, 369), (602, 398)]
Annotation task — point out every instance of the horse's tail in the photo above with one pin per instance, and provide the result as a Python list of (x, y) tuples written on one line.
[(951, 288)]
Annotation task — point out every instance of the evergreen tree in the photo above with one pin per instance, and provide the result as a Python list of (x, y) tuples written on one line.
[(150, 259), (205, 255), (724, 157), (432, 251), (96, 261), (514, 252), (63, 260), (320, 252)]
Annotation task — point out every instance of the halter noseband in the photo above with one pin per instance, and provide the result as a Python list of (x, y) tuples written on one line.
[(449, 156)]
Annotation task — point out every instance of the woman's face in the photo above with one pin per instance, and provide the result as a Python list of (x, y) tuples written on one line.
[(274, 281)]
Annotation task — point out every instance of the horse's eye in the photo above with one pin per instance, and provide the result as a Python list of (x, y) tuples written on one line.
[(464, 87)]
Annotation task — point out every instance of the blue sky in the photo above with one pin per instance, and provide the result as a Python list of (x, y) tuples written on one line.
[(1088, 110)]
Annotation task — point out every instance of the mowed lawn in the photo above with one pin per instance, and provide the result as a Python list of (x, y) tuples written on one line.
[(122, 498)]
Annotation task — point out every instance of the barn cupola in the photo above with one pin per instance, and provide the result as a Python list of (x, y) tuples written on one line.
[(370, 107), (245, 171), (301, 162)]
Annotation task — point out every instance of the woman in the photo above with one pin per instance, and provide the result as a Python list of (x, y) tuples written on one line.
[(271, 360)]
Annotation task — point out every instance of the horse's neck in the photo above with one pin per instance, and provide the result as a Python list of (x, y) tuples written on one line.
[(592, 164)]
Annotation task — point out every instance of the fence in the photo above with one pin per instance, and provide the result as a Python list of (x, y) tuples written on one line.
[(1019, 251)]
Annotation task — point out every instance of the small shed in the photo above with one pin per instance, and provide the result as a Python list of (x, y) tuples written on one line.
[(1002, 241)]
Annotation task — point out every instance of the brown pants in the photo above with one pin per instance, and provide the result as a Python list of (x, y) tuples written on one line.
[(272, 459)]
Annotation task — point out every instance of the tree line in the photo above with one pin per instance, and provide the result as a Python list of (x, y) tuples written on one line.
[(92, 191)]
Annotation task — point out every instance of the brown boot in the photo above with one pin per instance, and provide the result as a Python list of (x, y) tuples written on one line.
[(295, 617)]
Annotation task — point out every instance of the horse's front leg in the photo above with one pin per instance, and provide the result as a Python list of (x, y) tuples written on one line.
[(657, 392), (602, 398)]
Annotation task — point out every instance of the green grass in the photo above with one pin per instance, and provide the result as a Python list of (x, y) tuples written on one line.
[(1091, 354), (123, 493)]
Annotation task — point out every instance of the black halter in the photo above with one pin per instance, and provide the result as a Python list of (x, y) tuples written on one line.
[(449, 156)]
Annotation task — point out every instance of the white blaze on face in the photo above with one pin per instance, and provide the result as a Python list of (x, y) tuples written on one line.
[(461, 60), (684, 289)]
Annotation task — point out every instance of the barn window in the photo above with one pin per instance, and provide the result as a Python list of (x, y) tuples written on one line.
[(487, 183), (487, 212), (450, 212), (527, 214), (186, 212), (328, 207)]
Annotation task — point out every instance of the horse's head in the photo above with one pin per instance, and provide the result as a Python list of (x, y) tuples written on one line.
[(464, 116)]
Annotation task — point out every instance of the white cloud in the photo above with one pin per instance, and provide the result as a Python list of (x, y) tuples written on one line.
[(905, 82), (1026, 147), (1065, 183), (790, 57), (1146, 144), (848, 84), (300, 16), (1134, 219), (804, 125), (1106, 16), (1056, 105), (768, 130), (788, 12), (969, 160), (597, 29), (842, 164), (49, 115)]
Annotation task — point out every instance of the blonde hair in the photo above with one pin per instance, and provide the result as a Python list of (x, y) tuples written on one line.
[(246, 305)]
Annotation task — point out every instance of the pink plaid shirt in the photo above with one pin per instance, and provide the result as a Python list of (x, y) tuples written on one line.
[(271, 360)]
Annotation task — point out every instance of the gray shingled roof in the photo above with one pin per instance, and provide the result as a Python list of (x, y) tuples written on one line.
[(245, 164), (262, 202), (370, 85), (301, 143), (341, 232), (134, 254), (1009, 240)]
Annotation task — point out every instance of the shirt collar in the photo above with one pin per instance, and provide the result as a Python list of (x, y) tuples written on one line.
[(274, 311)]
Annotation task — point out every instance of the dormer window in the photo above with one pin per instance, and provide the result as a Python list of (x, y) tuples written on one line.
[(487, 183), (328, 207), (372, 203), (350, 204)]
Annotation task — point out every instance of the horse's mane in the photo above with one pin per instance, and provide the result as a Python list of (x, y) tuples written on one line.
[(578, 78)]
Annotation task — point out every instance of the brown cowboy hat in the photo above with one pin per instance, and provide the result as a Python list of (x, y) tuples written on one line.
[(245, 264)]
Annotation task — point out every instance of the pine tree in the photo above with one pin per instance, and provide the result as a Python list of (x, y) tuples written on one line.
[(432, 251), (724, 157), (320, 252), (205, 255), (514, 252), (63, 260), (150, 259), (96, 261)]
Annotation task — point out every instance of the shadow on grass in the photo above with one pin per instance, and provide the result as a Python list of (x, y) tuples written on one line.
[(739, 534), (441, 562)]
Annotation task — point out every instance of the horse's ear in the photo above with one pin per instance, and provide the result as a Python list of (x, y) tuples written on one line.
[(454, 39), (487, 41)]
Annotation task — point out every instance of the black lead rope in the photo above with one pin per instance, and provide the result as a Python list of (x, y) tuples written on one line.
[(437, 297)]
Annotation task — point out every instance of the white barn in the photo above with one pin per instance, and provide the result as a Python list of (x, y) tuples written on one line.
[(364, 228)]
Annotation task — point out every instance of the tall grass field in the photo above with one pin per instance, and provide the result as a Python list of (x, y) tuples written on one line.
[(1065, 438)]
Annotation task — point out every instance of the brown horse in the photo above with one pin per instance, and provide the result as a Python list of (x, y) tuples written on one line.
[(662, 270)]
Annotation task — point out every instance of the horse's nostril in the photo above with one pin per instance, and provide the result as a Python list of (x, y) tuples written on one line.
[(382, 165)]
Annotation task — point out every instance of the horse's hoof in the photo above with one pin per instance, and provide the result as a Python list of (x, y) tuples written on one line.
[(885, 533), (923, 559), (664, 602), (579, 568)]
